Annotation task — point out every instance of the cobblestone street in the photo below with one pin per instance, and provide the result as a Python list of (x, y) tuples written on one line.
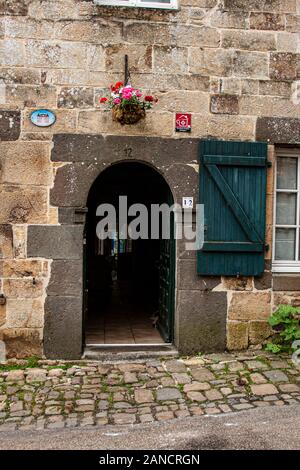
[(56, 394)]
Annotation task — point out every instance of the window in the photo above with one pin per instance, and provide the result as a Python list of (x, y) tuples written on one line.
[(166, 4), (286, 249)]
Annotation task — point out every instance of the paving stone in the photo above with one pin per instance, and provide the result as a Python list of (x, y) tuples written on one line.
[(182, 378), (164, 416), (36, 375), (225, 408), (175, 366), (276, 376), (15, 376), (289, 388), (212, 411), (130, 377), (242, 406), (196, 386), (256, 365), (164, 394), (264, 389), (146, 418), (202, 374), (213, 394), (225, 391), (196, 396), (258, 378), (123, 418), (142, 395)]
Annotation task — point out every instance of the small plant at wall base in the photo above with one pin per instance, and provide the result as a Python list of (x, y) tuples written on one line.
[(127, 104), (286, 323)]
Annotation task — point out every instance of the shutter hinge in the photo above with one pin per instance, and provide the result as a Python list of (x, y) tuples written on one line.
[(267, 247), (269, 164)]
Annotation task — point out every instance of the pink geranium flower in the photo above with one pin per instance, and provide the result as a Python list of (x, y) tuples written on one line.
[(117, 101)]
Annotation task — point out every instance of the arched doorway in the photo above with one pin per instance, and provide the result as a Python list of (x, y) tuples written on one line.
[(129, 284)]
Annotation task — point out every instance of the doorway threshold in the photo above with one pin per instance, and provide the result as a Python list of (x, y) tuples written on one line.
[(123, 352)]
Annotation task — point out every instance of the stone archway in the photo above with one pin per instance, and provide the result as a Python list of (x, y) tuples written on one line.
[(83, 157)]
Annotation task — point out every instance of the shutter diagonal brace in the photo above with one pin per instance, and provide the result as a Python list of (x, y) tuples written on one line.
[(234, 204)]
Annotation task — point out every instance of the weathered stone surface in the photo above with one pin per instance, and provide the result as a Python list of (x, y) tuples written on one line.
[(55, 54), (260, 5), (267, 21), (65, 278), (201, 321), (259, 331), (249, 306), (23, 268), (6, 241), (170, 59), (20, 241), (237, 336), (278, 130), (32, 96), (9, 125), (286, 282), (210, 61), (55, 242), (12, 7), (248, 40), (21, 343), (188, 278), (283, 66), (25, 204), (250, 64), (224, 104), (63, 327), (274, 88), (263, 282), (23, 288), (238, 283), (76, 97), (25, 162), (25, 313), (2, 314)]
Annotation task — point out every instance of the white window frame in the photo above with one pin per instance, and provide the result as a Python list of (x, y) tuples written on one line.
[(173, 5), (287, 266)]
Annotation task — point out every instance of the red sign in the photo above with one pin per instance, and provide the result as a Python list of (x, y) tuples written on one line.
[(183, 122)]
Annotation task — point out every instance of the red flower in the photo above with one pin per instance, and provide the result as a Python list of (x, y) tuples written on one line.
[(118, 85), (103, 100), (149, 98)]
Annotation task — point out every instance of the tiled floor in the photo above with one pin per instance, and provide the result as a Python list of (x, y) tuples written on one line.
[(122, 323)]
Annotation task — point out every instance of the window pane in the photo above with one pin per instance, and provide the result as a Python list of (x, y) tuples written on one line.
[(285, 244), (286, 208), (287, 173)]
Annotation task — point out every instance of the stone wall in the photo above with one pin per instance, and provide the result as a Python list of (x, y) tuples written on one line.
[(234, 64)]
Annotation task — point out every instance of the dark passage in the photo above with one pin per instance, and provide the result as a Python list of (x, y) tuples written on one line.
[(129, 283)]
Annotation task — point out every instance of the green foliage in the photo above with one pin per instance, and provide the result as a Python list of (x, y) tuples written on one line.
[(286, 322)]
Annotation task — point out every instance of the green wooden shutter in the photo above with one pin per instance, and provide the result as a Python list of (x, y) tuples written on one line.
[(233, 190)]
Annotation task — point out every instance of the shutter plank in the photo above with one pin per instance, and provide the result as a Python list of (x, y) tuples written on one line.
[(233, 191)]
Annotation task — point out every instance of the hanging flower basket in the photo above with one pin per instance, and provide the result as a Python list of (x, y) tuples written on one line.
[(127, 104), (128, 115)]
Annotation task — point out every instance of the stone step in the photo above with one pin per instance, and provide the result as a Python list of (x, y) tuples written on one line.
[(126, 352)]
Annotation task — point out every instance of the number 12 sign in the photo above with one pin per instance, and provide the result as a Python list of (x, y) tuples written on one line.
[(183, 122)]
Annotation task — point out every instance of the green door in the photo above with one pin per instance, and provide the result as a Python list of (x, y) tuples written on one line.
[(167, 285)]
